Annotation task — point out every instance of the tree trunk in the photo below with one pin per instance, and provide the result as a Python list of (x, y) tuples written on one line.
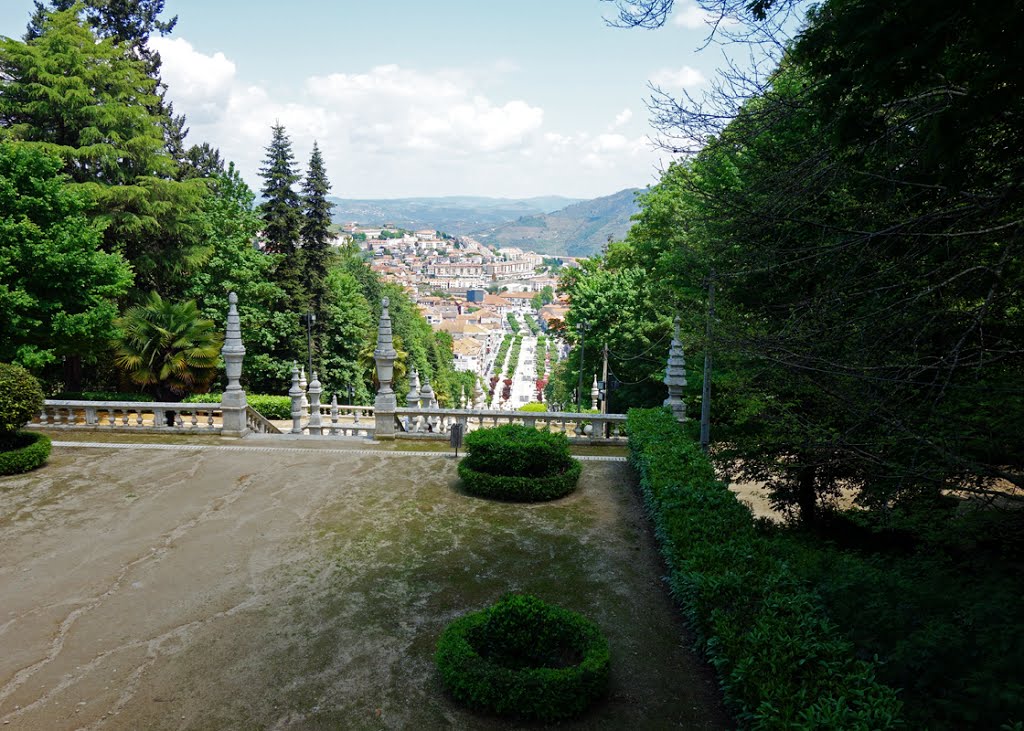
[(806, 495)]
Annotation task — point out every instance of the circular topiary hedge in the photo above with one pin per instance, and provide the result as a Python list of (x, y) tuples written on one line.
[(515, 462), (525, 658), (23, 451)]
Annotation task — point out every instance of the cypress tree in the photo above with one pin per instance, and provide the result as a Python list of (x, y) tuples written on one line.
[(316, 233), (281, 211)]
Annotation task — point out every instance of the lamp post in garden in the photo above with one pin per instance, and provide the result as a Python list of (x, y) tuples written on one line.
[(308, 319), (581, 328)]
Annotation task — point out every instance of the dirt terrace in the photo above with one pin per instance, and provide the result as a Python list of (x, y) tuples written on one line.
[(304, 588)]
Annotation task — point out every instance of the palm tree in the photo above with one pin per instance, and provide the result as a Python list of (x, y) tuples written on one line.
[(167, 347)]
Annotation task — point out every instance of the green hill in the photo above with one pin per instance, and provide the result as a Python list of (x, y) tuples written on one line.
[(580, 229)]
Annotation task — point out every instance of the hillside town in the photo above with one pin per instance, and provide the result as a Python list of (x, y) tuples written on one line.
[(477, 294)]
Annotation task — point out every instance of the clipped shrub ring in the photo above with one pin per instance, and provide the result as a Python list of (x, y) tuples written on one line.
[(33, 451), (537, 693), (520, 489)]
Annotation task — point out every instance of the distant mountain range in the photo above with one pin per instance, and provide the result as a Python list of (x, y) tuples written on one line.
[(545, 224), (580, 229), (456, 215)]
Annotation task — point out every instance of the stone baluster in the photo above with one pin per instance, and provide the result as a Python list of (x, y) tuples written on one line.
[(675, 377), (384, 358), (427, 402), (303, 386), (296, 394), (233, 402), (315, 389), (334, 415)]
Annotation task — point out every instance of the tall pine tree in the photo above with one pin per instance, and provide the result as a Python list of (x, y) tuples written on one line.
[(282, 213), (316, 232)]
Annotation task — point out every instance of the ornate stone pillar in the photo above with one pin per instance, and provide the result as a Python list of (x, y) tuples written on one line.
[(478, 395), (412, 399), (232, 402), (675, 377), (594, 393), (384, 357), (302, 387), (296, 394), (315, 390)]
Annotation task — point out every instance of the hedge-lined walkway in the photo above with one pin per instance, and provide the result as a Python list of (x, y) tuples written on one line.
[(305, 589)]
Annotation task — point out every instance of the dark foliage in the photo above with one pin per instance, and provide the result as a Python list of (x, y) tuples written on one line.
[(21, 398), (524, 658), (22, 452)]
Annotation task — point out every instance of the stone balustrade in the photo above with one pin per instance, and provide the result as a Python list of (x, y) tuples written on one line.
[(435, 423), (130, 415)]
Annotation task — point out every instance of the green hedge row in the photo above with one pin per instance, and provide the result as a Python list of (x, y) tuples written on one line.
[(22, 452), (102, 396), (509, 659), (780, 661), (272, 407)]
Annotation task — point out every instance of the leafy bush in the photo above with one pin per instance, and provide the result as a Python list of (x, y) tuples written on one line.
[(534, 407), (525, 658), (272, 407), (515, 462), (102, 396), (21, 398), (22, 452), (780, 661)]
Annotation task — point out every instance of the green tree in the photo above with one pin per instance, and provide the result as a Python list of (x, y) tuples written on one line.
[(167, 347), (58, 289), (111, 139), (282, 213), (316, 235)]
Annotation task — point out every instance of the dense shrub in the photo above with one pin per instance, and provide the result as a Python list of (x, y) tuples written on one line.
[(22, 451), (21, 398), (272, 407), (534, 407), (781, 663), (515, 462), (102, 396), (522, 657)]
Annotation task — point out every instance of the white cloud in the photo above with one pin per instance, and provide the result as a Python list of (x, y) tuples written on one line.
[(676, 79), (391, 131), (622, 118), (200, 82), (692, 16)]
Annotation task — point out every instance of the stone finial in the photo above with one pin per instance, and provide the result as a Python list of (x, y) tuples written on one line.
[(296, 394), (478, 395), (462, 397), (675, 376), (384, 359), (426, 393), (233, 350), (315, 389), (302, 386), (412, 400), (595, 392)]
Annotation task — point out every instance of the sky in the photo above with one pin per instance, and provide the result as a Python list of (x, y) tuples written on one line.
[(416, 98)]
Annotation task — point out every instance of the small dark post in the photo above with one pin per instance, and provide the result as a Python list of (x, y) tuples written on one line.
[(456, 436)]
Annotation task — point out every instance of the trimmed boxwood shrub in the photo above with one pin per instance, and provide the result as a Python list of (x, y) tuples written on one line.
[(525, 658), (271, 407), (780, 661), (515, 462), (21, 398), (22, 452)]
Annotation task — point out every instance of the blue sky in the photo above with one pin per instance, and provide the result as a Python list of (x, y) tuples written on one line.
[(415, 98)]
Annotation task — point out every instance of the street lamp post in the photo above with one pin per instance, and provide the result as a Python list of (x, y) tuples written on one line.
[(581, 328), (308, 319)]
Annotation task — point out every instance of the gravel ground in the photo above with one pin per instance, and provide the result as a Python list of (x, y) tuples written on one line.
[(305, 589)]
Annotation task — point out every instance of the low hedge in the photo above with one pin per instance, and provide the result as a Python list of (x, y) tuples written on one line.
[(517, 462), (22, 452), (520, 489), (102, 396), (525, 658), (780, 661), (271, 407)]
